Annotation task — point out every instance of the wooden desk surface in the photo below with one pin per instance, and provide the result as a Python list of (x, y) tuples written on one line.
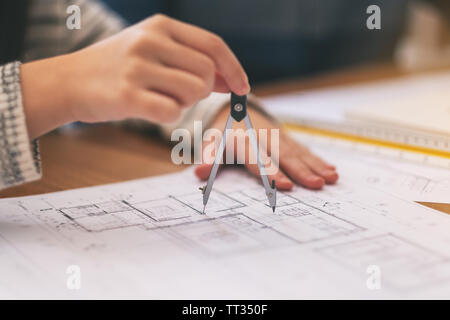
[(108, 153)]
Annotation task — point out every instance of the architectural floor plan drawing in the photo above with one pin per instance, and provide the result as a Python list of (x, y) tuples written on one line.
[(147, 239), (409, 180), (408, 265)]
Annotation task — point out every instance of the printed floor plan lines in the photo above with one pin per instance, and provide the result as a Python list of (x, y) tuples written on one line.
[(149, 236), (103, 216), (258, 194), (168, 211), (404, 264), (218, 201), (412, 181), (306, 223), (230, 234)]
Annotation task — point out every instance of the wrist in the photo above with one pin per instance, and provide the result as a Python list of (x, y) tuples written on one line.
[(46, 95)]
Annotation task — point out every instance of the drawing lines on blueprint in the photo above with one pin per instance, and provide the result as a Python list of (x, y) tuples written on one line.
[(234, 233), (155, 213), (408, 181), (305, 221), (103, 216), (153, 227), (404, 264), (296, 222), (412, 181)]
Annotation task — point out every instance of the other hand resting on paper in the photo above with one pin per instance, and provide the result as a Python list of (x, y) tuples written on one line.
[(297, 164)]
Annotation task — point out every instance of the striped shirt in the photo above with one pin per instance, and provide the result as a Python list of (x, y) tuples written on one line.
[(47, 36)]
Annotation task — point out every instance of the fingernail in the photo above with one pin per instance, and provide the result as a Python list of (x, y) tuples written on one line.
[(284, 180), (330, 173), (289, 184), (318, 181), (332, 176)]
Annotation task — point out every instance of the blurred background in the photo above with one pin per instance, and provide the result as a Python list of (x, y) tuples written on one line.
[(290, 38), (275, 40)]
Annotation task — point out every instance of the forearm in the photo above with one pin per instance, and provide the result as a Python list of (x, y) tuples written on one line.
[(46, 95)]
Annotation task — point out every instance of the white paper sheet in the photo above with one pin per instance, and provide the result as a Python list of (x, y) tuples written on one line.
[(333, 104), (146, 239), (429, 112), (411, 110), (408, 180)]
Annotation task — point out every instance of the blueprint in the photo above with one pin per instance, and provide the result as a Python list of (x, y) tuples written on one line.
[(379, 167), (147, 239)]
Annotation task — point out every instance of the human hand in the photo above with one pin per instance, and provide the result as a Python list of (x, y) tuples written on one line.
[(296, 162), (150, 70)]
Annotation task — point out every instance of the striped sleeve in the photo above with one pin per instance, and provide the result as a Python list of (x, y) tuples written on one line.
[(19, 157)]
